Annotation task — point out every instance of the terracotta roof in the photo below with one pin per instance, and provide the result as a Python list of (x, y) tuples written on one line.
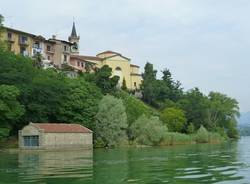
[(109, 52), (63, 41), (18, 31), (81, 57), (136, 66), (61, 128)]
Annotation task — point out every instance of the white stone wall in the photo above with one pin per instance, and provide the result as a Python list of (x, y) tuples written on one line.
[(50, 140), (56, 140)]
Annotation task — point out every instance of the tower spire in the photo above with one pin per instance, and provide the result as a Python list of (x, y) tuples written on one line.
[(73, 33)]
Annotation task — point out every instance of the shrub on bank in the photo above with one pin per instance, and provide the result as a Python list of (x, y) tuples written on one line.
[(202, 135), (148, 131), (174, 138)]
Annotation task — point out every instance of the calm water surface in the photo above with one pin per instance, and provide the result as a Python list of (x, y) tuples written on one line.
[(228, 163)]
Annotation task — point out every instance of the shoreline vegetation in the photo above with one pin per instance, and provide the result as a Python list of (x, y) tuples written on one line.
[(165, 115)]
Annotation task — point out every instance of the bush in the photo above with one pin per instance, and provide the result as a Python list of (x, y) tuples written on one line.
[(202, 135), (190, 128), (111, 122), (148, 131), (172, 138), (4, 133), (174, 119)]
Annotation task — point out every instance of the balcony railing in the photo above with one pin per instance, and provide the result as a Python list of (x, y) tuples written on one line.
[(52, 50), (10, 39), (23, 41)]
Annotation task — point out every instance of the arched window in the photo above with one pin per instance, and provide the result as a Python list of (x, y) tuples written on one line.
[(118, 68)]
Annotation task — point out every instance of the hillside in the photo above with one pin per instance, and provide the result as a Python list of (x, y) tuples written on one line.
[(244, 120)]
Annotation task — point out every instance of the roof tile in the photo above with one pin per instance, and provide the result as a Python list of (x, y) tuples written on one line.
[(62, 128)]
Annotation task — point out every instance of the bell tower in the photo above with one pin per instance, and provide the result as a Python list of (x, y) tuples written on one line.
[(74, 39)]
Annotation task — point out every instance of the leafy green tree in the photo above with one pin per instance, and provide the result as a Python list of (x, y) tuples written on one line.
[(38, 62), (80, 104), (10, 109), (124, 85), (134, 109), (3, 44), (190, 128), (174, 119), (44, 96), (104, 80), (1, 20), (174, 91), (232, 131), (148, 131), (195, 104), (148, 84), (156, 92), (111, 122), (222, 111)]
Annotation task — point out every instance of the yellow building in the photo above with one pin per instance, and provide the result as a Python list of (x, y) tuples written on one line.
[(121, 66), (58, 52)]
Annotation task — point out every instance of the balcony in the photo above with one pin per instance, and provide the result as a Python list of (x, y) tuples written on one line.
[(23, 40), (11, 39), (50, 49)]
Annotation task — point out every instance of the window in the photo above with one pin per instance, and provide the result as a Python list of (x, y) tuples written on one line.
[(31, 141), (9, 36), (118, 68), (65, 48), (48, 57), (78, 63), (82, 64), (48, 48), (36, 45), (24, 39), (134, 84), (64, 57)]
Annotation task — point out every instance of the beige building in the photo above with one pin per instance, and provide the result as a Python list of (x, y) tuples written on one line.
[(121, 66), (54, 136), (57, 53)]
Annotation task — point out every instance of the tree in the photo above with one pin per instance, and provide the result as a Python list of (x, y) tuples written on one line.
[(195, 104), (148, 84), (10, 109), (174, 91), (2, 43), (190, 128), (174, 119), (80, 104), (104, 80), (124, 85), (222, 111), (111, 122), (38, 60), (134, 109), (148, 131), (1, 20)]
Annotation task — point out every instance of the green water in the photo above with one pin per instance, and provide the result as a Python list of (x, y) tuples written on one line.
[(227, 163)]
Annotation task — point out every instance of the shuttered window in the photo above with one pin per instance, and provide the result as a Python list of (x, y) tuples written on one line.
[(31, 141)]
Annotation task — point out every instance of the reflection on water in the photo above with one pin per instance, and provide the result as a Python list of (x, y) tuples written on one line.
[(226, 163), (65, 166)]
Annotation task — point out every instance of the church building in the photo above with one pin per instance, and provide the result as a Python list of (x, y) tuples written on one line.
[(121, 65)]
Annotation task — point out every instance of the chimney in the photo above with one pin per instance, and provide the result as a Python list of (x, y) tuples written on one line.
[(53, 36)]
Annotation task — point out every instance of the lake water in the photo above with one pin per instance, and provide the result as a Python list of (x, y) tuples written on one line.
[(226, 163)]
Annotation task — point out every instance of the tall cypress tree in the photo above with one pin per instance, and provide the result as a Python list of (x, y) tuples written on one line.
[(148, 83)]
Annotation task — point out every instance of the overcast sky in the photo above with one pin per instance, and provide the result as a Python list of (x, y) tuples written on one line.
[(205, 43)]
